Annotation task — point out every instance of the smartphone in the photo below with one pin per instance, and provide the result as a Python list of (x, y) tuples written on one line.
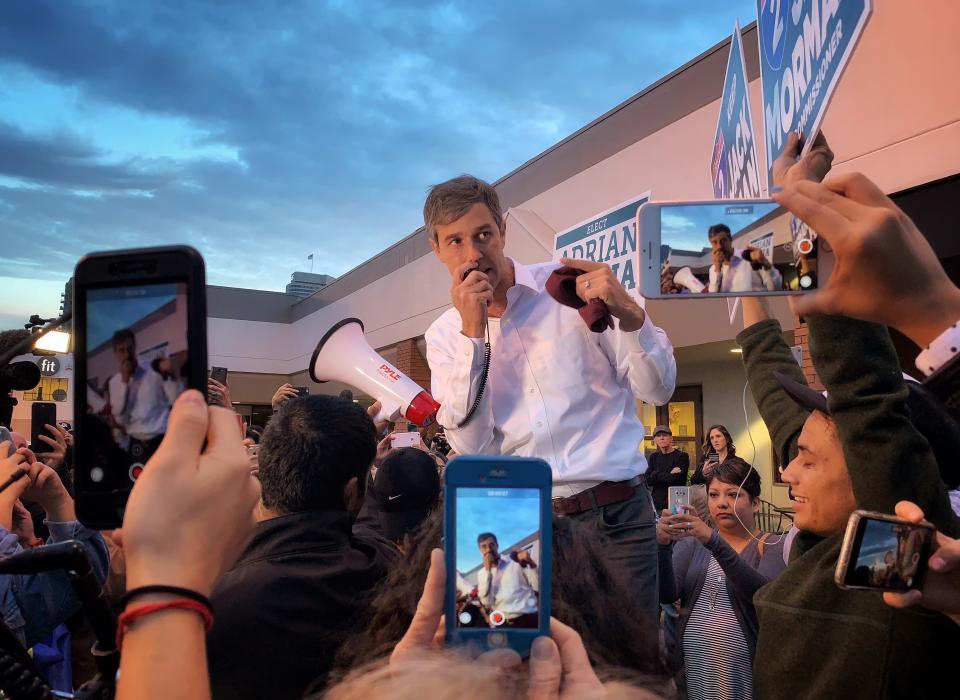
[(409, 439), (498, 534), (883, 553), (41, 414), (140, 340), (302, 391), (760, 248), (677, 498), (713, 456), (219, 374)]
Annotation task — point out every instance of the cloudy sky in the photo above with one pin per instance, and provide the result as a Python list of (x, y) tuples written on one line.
[(263, 131)]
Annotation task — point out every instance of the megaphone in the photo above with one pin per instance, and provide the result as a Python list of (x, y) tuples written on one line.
[(685, 278), (344, 355)]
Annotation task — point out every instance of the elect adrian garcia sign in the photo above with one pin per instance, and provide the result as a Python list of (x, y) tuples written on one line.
[(804, 46)]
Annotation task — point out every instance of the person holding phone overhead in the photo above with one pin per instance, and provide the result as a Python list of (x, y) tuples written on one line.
[(554, 389), (717, 448)]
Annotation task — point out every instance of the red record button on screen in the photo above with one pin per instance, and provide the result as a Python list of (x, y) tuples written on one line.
[(136, 469), (496, 618)]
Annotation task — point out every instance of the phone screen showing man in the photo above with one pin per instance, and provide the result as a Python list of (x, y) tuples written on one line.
[(498, 557), (136, 355), (888, 555), (735, 247)]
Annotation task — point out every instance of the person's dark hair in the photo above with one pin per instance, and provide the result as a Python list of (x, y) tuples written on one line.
[(311, 449), (450, 200), (121, 337), (737, 471), (718, 229), (487, 536), (707, 447), (587, 586)]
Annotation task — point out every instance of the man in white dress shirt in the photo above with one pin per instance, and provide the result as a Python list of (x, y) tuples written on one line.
[(508, 587), (747, 270), (555, 389), (140, 398)]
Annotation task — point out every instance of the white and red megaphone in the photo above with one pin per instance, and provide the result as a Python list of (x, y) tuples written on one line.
[(685, 278), (344, 355)]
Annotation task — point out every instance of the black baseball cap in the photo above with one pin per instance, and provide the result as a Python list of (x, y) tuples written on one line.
[(405, 490), (662, 429), (927, 414)]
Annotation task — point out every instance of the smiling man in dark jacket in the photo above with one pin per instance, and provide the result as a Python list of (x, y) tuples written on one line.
[(299, 588), (855, 449)]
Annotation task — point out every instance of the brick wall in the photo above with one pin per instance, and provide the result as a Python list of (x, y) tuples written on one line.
[(800, 338)]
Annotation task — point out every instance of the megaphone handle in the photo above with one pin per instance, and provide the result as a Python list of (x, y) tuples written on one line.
[(483, 380), (388, 413)]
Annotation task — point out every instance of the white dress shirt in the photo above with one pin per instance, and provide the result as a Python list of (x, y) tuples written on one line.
[(555, 390), (738, 275), (142, 405), (509, 588)]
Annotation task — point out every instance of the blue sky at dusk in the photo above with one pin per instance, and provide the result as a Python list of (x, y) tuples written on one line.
[(261, 132)]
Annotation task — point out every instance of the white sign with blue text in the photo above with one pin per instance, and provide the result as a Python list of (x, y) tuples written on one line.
[(609, 237), (733, 166), (804, 46)]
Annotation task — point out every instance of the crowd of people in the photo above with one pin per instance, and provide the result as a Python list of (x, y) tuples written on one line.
[(303, 559)]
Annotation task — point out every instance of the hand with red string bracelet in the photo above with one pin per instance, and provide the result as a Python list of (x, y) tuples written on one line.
[(188, 518)]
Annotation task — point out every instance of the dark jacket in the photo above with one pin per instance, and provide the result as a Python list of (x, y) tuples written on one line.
[(683, 571), (659, 478), (283, 610), (816, 640)]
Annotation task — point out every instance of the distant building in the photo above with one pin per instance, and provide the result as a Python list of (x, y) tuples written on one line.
[(303, 284)]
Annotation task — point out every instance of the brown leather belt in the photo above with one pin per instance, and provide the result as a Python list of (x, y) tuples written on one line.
[(603, 494)]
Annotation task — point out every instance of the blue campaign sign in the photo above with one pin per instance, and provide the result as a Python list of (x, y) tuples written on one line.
[(733, 166), (609, 237), (804, 46)]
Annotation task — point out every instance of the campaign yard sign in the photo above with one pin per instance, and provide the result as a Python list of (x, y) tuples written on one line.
[(609, 237), (804, 46), (733, 166)]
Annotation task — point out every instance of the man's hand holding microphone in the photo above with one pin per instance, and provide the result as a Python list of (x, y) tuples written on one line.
[(471, 294)]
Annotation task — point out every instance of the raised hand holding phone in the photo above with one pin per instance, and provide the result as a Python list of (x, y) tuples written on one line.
[(941, 585)]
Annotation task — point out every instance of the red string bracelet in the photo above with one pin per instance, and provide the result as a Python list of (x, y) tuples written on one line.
[(128, 617)]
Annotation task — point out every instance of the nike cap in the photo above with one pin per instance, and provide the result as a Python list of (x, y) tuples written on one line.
[(405, 490)]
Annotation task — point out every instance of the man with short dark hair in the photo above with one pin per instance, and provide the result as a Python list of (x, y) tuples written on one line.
[(508, 586), (668, 466), (299, 587), (555, 389), (855, 448), (140, 398), (738, 271)]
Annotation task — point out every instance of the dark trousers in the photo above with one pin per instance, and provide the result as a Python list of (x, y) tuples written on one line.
[(630, 526)]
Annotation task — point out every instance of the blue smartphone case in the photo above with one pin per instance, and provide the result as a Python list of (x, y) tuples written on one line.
[(497, 472)]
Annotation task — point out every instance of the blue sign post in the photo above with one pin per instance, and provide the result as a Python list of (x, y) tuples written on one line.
[(804, 46), (733, 166)]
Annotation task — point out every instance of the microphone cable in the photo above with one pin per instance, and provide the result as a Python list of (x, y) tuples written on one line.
[(483, 379)]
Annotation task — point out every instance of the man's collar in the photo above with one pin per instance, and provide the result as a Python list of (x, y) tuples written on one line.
[(523, 276)]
